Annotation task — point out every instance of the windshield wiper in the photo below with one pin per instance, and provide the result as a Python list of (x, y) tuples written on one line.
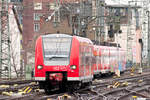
[(57, 57)]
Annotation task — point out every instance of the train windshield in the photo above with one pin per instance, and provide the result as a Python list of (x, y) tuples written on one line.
[(56, 50)]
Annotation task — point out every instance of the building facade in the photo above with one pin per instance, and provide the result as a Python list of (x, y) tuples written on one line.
[(33, 10), (117, 17)]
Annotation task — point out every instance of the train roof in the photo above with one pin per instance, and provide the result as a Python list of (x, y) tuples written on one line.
[(110, 47), (82, 39), (56, 35)]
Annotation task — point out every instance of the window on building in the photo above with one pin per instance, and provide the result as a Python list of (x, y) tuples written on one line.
[(37, 6), (37, 16), (36, 27), (52, 6), (16, 0)]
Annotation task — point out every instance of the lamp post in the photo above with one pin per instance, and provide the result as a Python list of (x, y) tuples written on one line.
[(141, 44), (148, 47), (94, 33)]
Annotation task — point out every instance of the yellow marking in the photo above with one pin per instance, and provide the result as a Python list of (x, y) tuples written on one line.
[(26, 89), (20, 90), (33, 83), (140, 81), (109, 86), (114, 76), (134, 97), (132, 70), (125, 84), (29, 90), (21, 93), (15, 85), (11, 92), (4, 86), (131, 74), (116, 85), (23, 89), (6, 93)]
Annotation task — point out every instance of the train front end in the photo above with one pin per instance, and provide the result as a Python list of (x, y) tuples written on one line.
[(52, 61)]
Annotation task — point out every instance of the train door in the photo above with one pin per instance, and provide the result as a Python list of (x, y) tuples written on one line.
[(108, 50), (90, 60), (99, 60), (84, 62), (87, 63), (81, 61), (94, 59), (114, 53), (120, 60), (106, 59), (102, 60), (116, 59), (124, 61), (111, 59)]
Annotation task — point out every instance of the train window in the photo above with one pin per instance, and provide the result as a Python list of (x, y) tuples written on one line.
[(102, 59), (106, 59), (97, 60), (56, 50)]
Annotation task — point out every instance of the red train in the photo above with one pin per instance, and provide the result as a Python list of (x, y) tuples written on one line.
[(64, 61)]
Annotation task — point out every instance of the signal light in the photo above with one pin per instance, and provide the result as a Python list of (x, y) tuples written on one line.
[(39, 67), (73, 67), (111, 33)]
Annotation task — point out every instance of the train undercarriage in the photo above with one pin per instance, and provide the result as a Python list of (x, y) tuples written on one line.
[(53, 83)]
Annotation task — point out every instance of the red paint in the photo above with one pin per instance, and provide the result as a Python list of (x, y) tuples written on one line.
[(80, 47)]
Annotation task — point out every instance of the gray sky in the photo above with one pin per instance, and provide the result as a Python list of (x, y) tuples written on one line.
[(117, 2)]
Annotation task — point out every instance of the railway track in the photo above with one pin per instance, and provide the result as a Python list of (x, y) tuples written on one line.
[(124, 88), (16, 88), (139, 87), (120, 89)]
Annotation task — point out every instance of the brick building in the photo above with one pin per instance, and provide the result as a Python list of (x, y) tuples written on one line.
[(33, 10)]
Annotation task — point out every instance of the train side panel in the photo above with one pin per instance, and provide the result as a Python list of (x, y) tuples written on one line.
[(114, 59), (39, 73), (105, 66), (97, 60), (73, 75), (85, 57), (81, 56)]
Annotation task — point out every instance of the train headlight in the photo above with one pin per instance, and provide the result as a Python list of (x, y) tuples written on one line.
[(39, 67), (73, 67)]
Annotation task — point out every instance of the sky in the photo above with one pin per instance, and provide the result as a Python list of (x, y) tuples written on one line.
[(114, 2)]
